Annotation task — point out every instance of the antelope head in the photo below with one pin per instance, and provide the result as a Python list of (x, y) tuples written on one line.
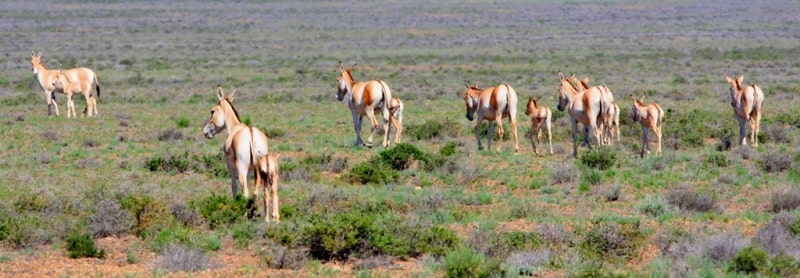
[(218, 119), (470, 100), (344, 82), (736, 89), (637, 104), (530, 106), (36, 62)]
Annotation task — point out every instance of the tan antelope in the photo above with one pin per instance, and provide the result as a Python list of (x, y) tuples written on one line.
[(609, 122), (396, 115), (244, 148), (62, 84), (541, 116), (84, 77), (585, 107), (267, 172), (650, 117), (492, 104), (746, 103), (365, 99)]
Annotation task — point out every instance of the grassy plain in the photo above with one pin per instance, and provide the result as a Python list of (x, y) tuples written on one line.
[(689, 212)]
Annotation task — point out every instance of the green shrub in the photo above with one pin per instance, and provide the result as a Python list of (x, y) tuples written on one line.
[(214, 165), (182, 122), (611, 241), (437, 241), (150, 215), (751, 259), (785, 265), (464, 262), (599, 158), (401, 156), (449, 149), (372, 171), (170, 164), (221, 210), (81, 245), (716, 159), (432, 129), (338, 236), (654, 206)]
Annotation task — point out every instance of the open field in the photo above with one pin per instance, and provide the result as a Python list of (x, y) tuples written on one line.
[(154, 194)]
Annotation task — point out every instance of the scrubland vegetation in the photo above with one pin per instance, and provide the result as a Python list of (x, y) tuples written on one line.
[(434, 205)]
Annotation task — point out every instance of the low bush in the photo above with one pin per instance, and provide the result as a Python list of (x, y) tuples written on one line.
[(170, 164), (691, 200), (177, 258), (464, 262), (81, 245), (213, 165), (775, 161), (716, 160), (278, 256), (149, 214), (654, 206), (611, 241), (433, 129), (372, 171), (721, 247), (785, 199), (221, 210), (600, 158), (562, 173), (402, 155), (109, 219), (751, 259)]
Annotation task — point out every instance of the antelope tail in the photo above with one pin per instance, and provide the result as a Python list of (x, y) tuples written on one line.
[(387, 95), (97, 85), (254, 159)]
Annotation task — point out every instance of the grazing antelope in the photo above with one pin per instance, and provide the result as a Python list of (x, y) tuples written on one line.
[(244, 145), (610, 119), (84, 77), (267, 172), (492, 104), (746, 103), (365, 99), (585, 107), (649, 117), (540, 116)]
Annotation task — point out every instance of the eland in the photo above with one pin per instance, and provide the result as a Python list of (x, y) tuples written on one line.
[(245, 147), (584, 106), (541, 116), (365, 98), (492, 104), (83, 77), (650, 117), (746, 103)]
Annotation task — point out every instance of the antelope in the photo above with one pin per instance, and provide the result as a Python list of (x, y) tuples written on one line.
[(650, 117), (610, 120), (492, 104), (245, 147), (585, 107), (746, 103), (91, 106), (84, 77), (396, 115), (540, 116), (267, 172), (62, 84), (365, 98)]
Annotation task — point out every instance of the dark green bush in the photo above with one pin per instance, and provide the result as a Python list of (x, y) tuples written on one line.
[(600, 158), (464, 262), (432, 129), (751, 259), (372, 171), (170, 164), (150, 214), (449, 149), (213, 165), (785, 265), (402, 155), (221, 210), (81, 245), (716, 159), (338, 236), (438, 241)]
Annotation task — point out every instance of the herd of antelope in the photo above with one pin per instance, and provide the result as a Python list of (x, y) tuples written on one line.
[(246, 147)]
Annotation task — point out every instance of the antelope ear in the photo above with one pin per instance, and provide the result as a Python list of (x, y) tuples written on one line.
[(39, 55), (585, 80), (561, 75), (740, 79), (475, 85), (33, 54), (220, 95), (230, 96), (729, 79), (341, 67), (641, 99)]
